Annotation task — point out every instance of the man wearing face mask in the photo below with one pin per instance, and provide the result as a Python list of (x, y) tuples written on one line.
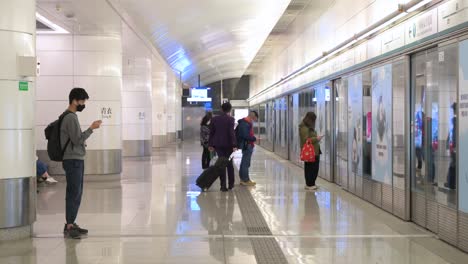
[(73, 141)]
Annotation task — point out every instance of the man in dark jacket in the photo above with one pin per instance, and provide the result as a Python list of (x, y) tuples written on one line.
[(223, 141), (246, 141)]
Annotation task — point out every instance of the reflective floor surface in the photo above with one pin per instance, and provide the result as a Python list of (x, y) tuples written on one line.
[(153, 213)]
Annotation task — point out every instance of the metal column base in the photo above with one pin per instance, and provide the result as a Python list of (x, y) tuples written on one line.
[(97, 162), (137, 148), (17, 207), (15, 233), (171, 137), (159, 141)]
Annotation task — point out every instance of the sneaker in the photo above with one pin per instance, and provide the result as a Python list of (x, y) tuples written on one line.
[(41, 180), (77, 227), (248, 183), (224, 189), (73, 233), (308, 188), (315, 187), (81, 230), (50, 180)]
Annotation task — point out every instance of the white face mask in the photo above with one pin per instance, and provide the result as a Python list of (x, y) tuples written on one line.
[(209, 122)]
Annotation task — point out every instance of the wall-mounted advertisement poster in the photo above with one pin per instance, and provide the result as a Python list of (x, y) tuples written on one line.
[(382, 124), (355, 124), (463, 128)]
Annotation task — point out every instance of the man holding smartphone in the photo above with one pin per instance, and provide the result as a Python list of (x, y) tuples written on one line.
[(73, 141)]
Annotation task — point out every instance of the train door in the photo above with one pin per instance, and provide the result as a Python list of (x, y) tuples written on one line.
[(323, 127), (434, 96), (281, 120), (340, 136)]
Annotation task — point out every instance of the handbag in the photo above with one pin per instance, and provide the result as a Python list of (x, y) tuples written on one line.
[(308, 151)]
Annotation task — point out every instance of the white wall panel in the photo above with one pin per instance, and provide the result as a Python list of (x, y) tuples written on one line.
[(16, 15), (135, 116), (97, 63), (55, 43), (17, 28), (136, 99), (16, 109), (52, 88), (18, 154), (97, 87), (55, 63), (97, 43), (107, 137), (13, 44), (137, 88), (159, 98)]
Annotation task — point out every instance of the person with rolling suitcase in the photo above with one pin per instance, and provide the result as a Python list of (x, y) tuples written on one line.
[(223, 140), (209, 176)]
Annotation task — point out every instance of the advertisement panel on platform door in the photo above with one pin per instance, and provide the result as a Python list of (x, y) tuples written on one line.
[(463, 128), (355, 117), (382, 124)]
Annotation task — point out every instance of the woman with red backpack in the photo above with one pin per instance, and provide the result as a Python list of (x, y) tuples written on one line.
[(310, 145)]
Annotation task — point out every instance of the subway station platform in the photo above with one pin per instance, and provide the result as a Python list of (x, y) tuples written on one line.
[(154, 213)]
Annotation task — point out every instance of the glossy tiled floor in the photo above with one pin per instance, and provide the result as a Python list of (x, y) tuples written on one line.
[(155, 214)]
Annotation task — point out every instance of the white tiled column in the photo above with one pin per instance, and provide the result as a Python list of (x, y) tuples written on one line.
[(178, 108), (17, 159), (95, 64), (171, 109), (159, 105), (136, 96)]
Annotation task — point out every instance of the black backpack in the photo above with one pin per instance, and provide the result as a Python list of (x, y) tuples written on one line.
[(52, 134)]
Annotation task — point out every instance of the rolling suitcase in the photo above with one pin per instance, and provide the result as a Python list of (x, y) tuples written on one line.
[(209, 176)]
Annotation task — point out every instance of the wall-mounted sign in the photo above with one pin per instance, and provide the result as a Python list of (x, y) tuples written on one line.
[(106, 113), (421, 26), (23, 86), (452, 13)]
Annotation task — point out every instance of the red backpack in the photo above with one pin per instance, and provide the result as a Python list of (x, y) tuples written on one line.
[(308, 151)]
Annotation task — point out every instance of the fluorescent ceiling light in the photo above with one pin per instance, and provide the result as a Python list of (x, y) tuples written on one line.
[(418, 5), (56, 28)]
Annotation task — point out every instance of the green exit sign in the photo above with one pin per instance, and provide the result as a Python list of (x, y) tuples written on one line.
[(23, 86)]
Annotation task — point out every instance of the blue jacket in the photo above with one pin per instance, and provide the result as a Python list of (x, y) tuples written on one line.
[(243, 134)]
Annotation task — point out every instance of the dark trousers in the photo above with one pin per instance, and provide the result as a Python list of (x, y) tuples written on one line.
[(419, 156), (452, 171), (74, 171), (226, 152), (311, 170), (206, 158)]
